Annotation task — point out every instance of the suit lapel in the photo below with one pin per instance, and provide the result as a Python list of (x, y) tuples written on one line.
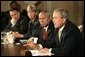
[(48, 32), (56, 38), (63, 34), (41, 32)]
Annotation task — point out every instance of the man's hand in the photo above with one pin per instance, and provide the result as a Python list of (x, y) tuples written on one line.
[(16, 34), (30, 40), (44, 50), (31, 44), (13, 21)]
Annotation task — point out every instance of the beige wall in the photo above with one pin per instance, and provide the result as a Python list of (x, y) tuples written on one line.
[(5, 5), (75, 8)]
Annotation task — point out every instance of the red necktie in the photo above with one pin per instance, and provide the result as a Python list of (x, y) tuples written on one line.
[(44, 34)]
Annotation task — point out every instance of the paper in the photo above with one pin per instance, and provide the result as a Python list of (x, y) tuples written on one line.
[(17, 43), (8, 38), (38, 53), (23, 41)]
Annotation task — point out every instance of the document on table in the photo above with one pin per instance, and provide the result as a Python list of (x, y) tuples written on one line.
[(38, 53)]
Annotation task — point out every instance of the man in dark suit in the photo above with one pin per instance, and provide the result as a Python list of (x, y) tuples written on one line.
[(44, 33), (68, 38), (47, 25), (18, 23), (5, 16)]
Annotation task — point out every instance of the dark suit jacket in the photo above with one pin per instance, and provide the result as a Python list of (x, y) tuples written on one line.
[(31, 28), (48, 42), (21, 26), (70, 44), (5, 18)]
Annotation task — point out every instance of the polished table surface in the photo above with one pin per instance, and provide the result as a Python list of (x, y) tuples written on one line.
[(11, 50), (15, 50)]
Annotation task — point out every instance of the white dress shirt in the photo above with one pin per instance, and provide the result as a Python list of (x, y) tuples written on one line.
[(13, 22), (60, 31)]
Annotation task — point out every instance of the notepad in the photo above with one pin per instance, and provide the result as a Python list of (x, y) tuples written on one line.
[(23, 41), (38, 53)]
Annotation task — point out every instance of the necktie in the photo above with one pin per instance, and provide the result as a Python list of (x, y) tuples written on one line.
[(44, 34)]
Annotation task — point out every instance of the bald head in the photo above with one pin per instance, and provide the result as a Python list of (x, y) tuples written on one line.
[(44, 18)]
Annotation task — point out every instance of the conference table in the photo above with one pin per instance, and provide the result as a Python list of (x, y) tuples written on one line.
[(12, 50), (17, 49)]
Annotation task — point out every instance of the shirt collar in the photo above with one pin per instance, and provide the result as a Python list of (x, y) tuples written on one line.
[(62, 28), (46, 28)]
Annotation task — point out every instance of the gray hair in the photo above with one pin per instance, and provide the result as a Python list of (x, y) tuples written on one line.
[(63, 12), (46, 12)]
